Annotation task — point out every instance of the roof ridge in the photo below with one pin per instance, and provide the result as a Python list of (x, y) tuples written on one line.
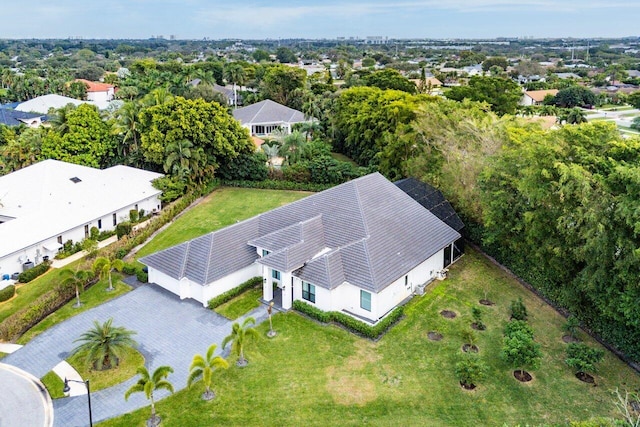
[(209, 257), (360, 208), (184, 260), (264, 103)]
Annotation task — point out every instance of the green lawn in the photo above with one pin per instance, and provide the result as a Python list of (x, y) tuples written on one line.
[(221, 208), (341, 157), (27, 292), (92, 297), (241, 304), (317, 375), (131, 360), (54, 385)]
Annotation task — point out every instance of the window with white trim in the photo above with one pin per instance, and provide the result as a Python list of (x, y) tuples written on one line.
[(309, 292), (365, 300)]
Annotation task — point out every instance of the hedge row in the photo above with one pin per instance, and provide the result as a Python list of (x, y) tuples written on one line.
[(7, 293), (351, 323), (21, 321), (132, 269), (232, 293), (38, 270), (270, 184)]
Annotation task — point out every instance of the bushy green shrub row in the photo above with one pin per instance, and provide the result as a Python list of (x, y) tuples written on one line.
[(232, 293), (38, 270), (7, 293), (132, 269), (270, 184), (351, 323), (20, 322)]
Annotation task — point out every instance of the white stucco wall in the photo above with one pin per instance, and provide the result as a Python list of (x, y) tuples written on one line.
[(227, 283), (103, 96), (164, 281)]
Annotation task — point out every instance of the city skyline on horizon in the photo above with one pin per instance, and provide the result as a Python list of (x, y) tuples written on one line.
[(261, 20)]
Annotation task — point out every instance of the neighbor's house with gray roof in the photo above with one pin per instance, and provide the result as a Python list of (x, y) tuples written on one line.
[(10, 117), (264, 117), (361, 248)]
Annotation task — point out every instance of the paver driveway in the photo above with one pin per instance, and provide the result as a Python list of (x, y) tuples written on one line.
[(169, 332)]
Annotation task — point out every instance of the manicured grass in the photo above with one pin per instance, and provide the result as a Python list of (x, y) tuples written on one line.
[(92, 297), (316, 375), (2, 354), (221, 208), (129, 363), (341, 157), (241, 304), (27, 292), (611, 107), (54, 385)]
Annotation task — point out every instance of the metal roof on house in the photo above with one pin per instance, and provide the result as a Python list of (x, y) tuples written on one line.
[(432, 199), (367, 232), (14, 118), (267, 111), (42, 104)]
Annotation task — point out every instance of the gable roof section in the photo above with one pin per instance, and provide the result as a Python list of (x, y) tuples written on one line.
[(432, 199), (539, 95), (14, 118), (267, 111), (96, 86), (367, 232)]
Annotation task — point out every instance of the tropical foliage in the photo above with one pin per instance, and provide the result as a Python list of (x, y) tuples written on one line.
[(104, 344), (148, 383), (240, 336), (202, 367)]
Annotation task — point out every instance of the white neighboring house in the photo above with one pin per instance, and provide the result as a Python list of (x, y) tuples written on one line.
[(45, 204), (536, 97), (361, 248), (97, 92), (42, 104), (265, 117)]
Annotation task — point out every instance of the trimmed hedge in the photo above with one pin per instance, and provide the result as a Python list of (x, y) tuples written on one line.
[(38, 270), (232, 293), (7, 293), (271, 184), (351, 323)]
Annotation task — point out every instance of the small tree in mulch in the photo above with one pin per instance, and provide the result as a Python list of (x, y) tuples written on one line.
[(583, 359), (571, 327), (477, 315), (521, 352), (518, 326), (518, 310), (469, 339), (470, 370)]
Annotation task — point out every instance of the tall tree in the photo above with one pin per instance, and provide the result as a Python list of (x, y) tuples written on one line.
[(283, 85), (104, 266), (203, 368), (503, 95)]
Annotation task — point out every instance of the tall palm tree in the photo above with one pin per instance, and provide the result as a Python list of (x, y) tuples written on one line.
[(147, 384), (104, 266), (177, 157), (240, 335), (204, 367), (59, 120), (234, 73), (126, 125), (104, 344), (292, 147), (78, 279)]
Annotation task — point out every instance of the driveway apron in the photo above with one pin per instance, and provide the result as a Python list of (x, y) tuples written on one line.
[(169, 332)]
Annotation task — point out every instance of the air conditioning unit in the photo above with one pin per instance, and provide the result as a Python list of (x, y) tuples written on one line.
[(442, 274), (420, 288)]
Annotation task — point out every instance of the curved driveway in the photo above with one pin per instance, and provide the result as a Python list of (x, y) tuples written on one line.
[(169, 332)]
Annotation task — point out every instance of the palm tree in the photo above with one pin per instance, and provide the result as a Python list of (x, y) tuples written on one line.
[(178, 153), (59, 120), (105, 344), (126, 125), (204, 367), (104, 266), (147, 384), (271, 151), (293, 147), (77, 279), (234, 73), (239, 336)]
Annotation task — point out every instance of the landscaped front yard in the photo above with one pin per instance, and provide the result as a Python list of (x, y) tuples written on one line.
[(318, 375)]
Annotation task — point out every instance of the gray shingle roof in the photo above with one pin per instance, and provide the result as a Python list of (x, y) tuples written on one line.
[(14, 118), (367, 232), (267, 111)]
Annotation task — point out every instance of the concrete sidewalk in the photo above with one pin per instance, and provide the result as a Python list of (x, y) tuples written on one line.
[(59, 263)]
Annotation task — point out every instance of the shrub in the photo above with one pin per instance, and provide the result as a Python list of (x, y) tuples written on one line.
[(471, 370), (351, 323), (129, 269), (133, 216), (476, 313), (94, 233), (123, 229), (571, 327), (232, 293), (38, 270), (142, 276), (518, 326), (104, 235), (271, 184), (583, 358), (7, 293), (520, 351), (518, 310)]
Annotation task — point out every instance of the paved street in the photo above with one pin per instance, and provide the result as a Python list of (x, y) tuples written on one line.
[(169, 332), (25, 401)]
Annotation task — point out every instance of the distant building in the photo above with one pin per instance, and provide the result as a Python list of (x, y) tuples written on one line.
[(42, 104), (536, 97), (265, 117), (9, 117), (100, 93)]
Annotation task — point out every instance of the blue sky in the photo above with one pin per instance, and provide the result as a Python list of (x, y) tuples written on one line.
[(319, 18)]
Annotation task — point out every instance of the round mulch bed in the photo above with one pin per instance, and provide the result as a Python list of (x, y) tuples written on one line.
[(448, 314), (467, 386), (486, 302), (569, 339), (434, 336), (585, 378), (475, 326), (522, 376), (470, 348)]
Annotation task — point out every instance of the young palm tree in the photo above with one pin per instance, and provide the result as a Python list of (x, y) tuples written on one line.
[(76, 279), (147, 384), (204, 367), (105, 344), (104, 266), (239, 336)]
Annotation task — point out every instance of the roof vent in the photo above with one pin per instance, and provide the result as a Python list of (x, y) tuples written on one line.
[(75, 180)]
